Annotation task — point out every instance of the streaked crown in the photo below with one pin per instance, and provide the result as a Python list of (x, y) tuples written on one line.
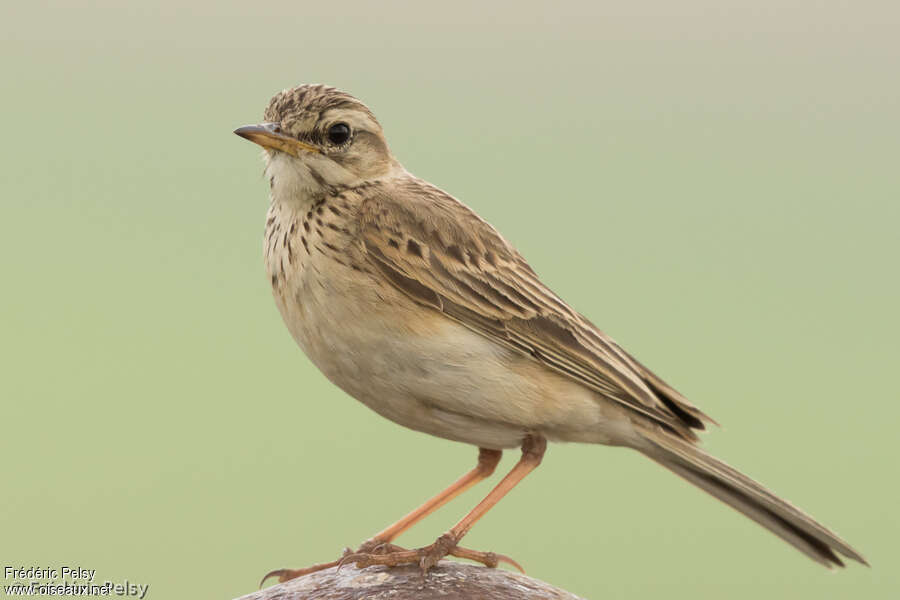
[(302, 110)]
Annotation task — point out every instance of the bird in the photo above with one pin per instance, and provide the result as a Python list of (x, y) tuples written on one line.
[(411, 303)]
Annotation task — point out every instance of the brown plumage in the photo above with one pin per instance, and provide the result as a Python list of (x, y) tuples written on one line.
[(414, 305), (465, 269)]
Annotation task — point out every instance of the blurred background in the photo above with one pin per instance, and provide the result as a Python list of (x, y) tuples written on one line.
[(714, 184)]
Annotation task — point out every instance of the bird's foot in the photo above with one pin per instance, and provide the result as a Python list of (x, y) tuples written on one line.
[(369, 547), (375, 552), (391, 556)]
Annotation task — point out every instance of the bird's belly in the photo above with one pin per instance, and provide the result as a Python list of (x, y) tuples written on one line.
[(417, 367)]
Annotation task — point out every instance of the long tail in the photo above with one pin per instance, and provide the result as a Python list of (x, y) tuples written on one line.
[(749, 497)]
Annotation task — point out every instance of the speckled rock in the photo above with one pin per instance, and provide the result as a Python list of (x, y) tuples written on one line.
[(447, 581)]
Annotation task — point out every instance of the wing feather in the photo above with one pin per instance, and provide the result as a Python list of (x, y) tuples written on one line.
[(441, 254)]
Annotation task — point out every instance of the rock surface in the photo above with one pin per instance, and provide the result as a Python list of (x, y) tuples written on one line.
[(447, 581)]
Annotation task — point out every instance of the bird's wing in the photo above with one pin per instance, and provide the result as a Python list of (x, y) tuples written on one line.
[(440, 253)]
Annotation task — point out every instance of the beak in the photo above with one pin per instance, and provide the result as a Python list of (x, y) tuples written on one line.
[(269, 136)]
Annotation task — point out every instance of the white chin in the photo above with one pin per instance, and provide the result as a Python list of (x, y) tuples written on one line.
[(291, 179), (299, 180)]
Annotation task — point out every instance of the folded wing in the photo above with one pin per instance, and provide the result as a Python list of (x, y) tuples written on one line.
[(441, 254)]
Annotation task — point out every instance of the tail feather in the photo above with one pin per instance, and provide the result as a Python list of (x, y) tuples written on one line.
[(748, 497)]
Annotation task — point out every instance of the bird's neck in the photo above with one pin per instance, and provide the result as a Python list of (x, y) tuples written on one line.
[(297, 186)]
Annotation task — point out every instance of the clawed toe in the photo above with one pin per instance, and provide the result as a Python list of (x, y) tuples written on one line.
[(367, 548), (488, 559), (388, 559), (288, 574), (373, 552), (390, 555)]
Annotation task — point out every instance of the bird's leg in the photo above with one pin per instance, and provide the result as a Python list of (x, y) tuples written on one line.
[(533, 448), (487, 462), (381, 541)]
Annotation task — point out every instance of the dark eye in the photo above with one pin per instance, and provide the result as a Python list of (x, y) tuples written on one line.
[(338, 133)]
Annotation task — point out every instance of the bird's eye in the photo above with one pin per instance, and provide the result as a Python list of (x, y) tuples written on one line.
[(338, 133)]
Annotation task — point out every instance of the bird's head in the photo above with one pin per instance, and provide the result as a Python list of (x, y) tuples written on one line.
[(317, 137)]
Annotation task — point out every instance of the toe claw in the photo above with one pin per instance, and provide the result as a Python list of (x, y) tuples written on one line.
[(488, 559), (360, 559), (344, 560), (276, 573), (503, 558), (288, 574)]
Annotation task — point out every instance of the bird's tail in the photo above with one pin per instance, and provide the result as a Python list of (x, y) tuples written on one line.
[(749, 497)]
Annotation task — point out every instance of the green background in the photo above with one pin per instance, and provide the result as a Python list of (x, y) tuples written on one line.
[(716, 185)]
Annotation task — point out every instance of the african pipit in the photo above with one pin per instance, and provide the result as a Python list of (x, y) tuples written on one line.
[(412, 304)]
